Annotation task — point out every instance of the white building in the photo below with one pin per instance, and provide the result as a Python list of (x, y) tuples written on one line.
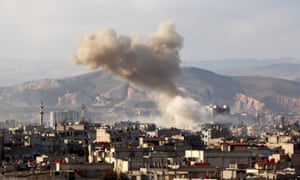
[(59, 117)]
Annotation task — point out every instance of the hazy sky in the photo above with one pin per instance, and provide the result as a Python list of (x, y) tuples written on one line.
[(41, 34)]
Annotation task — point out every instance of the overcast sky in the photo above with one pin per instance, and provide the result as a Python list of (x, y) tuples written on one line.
[(41, 34)]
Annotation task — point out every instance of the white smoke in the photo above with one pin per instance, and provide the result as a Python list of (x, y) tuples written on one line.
[(182, 112), (153, 63)]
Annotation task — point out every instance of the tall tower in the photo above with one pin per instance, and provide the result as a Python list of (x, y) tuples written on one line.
[(42, 114)]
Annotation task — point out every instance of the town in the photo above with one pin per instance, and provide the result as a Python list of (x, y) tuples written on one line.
[(73, 147)]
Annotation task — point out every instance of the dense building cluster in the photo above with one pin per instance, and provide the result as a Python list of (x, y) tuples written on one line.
[(75, 148)]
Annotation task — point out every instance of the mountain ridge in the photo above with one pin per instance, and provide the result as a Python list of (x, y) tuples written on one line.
[(289, 71), (108, 96)]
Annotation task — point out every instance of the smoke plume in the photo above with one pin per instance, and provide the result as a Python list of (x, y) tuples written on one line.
[(153, 63), (182, 112)]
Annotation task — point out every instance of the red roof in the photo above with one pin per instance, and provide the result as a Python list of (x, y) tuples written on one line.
[(237, 143)]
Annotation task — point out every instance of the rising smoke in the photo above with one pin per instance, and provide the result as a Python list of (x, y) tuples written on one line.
[(153, 63)]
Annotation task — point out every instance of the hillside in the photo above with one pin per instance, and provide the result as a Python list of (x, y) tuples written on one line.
[(107, 97)]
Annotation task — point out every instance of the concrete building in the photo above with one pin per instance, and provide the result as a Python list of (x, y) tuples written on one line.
[(63, 117), (212, 131), (229, 153)]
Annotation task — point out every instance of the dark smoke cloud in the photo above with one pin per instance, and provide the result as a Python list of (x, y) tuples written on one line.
[(153, 63)]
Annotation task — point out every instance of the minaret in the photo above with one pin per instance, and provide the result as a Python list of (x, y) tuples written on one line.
[(42, 114)]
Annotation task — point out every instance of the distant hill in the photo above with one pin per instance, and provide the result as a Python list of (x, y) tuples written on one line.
[(282, 68), (237, 63), (108, 97), (242, 94), (287, 71)]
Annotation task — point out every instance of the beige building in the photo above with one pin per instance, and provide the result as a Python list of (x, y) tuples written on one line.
[(102, 135)]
